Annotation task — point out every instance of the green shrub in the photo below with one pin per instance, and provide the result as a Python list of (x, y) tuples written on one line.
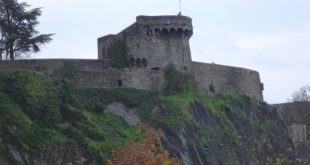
[(38, 95), (174, 110), (38, 111), (118, 55), (176, 82), (15, 125), (69, 70), (97, 99)]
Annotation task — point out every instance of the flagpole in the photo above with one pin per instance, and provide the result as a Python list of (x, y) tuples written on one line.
[(180, 6)]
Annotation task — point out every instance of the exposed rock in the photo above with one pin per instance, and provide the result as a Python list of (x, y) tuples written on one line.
[(128, 114), (19, 156), (303, 151), (210, 140), (158, 111)]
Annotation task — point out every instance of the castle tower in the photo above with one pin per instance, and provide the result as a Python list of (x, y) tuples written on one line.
[(153, 42)]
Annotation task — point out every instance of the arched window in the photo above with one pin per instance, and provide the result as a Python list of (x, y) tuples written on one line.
[(186, 33), (138, 62), (172, 32), (190, 33), (120, 83), (165, 32), (180, 32), (157, 32), (132, 61), (144, 63)]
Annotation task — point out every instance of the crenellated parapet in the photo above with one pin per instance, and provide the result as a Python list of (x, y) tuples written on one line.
[(153, 42), (166, 26)]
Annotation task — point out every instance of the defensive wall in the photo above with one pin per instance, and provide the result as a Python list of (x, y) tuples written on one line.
[(212, 79), (143, 51), (294, 112), (296, 116), (92, 73), (52, 66)]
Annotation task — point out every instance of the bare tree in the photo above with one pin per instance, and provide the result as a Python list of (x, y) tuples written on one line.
[(303, 94)]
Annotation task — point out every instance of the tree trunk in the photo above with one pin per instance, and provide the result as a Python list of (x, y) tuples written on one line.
[(6, 55), (12, 57)]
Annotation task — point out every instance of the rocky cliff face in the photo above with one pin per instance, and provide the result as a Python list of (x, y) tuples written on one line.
[(229, 130), (44, 120)]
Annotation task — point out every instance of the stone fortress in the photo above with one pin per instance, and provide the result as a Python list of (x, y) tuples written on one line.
[(138, 55)]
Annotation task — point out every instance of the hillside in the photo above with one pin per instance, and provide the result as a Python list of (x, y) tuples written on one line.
[(47, 120)]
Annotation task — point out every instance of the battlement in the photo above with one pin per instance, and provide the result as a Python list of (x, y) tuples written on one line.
[(152, 42), (175, 26)]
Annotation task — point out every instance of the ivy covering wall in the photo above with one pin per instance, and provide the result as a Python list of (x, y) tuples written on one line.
[(118, 55)]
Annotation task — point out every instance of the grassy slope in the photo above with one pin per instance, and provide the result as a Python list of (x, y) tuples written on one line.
[(48, 118), (39, 112)]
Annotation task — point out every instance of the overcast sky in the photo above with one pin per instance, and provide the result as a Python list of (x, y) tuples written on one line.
[(270, 36)]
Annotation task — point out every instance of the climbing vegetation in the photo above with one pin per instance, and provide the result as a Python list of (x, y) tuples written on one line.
[(118, 56), (176, 81)]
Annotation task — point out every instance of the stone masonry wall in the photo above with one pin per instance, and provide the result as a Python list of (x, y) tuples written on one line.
[(153, 42), (161, 40), (93, 73), (296, 116), (51, 66), (104, 44), (212, 79), (294, 112), (159, 51), (90, 72), (139, 78)]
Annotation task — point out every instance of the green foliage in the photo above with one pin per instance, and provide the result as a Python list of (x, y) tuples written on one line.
[(35, 115), (212, 88), (244, 127), (97, 99), (228, 109), (68, 71), (118, 55), (40, 96), (13, 119), (175, 110), (220, 123), (176, 81)]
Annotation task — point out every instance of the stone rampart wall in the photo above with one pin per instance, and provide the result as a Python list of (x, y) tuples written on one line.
[(296, 117), (294, 113), (51, 66), (93, 73), (212, 79), (139, 78)]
